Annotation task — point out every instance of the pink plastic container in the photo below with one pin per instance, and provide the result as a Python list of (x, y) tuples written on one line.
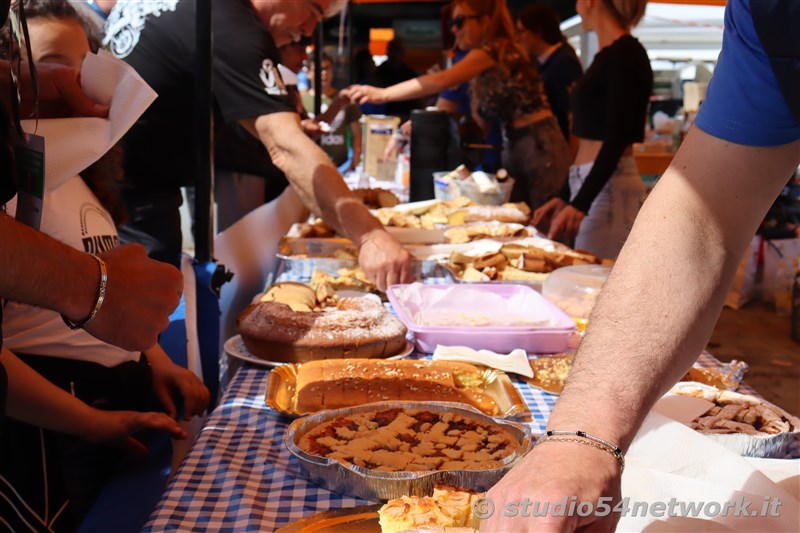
[(478, 316)]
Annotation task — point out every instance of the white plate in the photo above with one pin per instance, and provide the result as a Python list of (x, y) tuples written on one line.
[(235, 348)]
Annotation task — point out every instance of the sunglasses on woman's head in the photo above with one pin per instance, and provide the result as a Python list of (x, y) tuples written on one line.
[(458, 21)]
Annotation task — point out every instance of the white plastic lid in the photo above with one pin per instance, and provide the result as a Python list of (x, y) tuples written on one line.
[(575, 288), (586, 277)]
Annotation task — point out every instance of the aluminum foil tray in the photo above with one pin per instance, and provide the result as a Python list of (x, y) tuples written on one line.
[(302, 256), (359, 482), (776, 445), (303, 267)]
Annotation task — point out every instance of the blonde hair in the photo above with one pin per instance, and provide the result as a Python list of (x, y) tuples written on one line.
[(627, 12), (501, 25)]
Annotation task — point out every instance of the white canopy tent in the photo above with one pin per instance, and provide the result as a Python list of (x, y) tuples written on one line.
[(672, 32), (683, 42)]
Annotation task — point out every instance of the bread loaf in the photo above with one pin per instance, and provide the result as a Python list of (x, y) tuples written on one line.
[(336, 383)]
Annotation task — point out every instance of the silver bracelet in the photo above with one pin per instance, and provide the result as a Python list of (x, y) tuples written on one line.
[(101, 296), (584, 438)]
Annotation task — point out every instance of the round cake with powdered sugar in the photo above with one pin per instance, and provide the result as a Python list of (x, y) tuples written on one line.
[(292, 324)]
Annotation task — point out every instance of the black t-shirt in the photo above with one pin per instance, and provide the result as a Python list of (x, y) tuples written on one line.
[(609, 104), (560, 72), (8, 186), (158, 40)]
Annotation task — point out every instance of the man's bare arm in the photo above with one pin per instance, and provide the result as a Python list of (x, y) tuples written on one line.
[(38, 270), (664, 296), (141, 293), (323, 190), (654, 316)]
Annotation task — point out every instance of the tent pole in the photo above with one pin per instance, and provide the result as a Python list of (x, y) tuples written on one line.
[(350, 34), (320, 37), (204, 131)]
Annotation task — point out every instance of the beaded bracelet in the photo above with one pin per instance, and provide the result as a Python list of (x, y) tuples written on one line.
[(584, 438), (101, 296)]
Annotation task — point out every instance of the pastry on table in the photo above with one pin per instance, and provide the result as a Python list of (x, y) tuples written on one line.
[(377, 198), (345, 278), (518, 213), (550, 372), (449, 510)]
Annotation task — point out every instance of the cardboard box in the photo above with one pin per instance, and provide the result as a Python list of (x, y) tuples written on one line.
[(378, 130)]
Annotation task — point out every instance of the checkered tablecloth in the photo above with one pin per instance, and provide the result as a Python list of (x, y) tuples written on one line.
[(239, 476)]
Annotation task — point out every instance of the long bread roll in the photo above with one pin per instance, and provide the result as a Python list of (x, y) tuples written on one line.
[(335, 383)]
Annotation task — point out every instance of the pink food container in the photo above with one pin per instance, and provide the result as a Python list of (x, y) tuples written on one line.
[(495, 317)]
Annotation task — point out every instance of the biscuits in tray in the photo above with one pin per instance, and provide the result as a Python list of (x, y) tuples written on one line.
[(377, 198), (449, 509), (336, 383), (550, 373), (514, 262), (400, 439), (518, 213), (737, 413), (345, 278), (427, 216), (481, 230), (315, 230)]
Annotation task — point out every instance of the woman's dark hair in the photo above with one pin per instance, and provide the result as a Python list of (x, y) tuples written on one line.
[(542, 20), (104, 176), (61, 9)]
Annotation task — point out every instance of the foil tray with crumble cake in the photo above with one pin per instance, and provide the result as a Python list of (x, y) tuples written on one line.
[(391, 449)]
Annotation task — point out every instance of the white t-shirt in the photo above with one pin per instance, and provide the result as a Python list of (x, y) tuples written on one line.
[(73, 215)]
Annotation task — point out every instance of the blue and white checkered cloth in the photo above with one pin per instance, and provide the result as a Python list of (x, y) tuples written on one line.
[(239, 476)]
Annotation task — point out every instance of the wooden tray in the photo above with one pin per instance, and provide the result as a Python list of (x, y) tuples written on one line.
[(361, 519)]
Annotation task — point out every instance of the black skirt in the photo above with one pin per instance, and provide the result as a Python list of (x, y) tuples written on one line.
[(49, 480)]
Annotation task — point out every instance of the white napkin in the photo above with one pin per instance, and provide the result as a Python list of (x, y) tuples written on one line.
[(72, 144), (669, 460), (682, 408), (516, 361)]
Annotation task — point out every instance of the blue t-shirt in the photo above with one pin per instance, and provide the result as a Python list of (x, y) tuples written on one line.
[(744, 103), (458, 93)]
